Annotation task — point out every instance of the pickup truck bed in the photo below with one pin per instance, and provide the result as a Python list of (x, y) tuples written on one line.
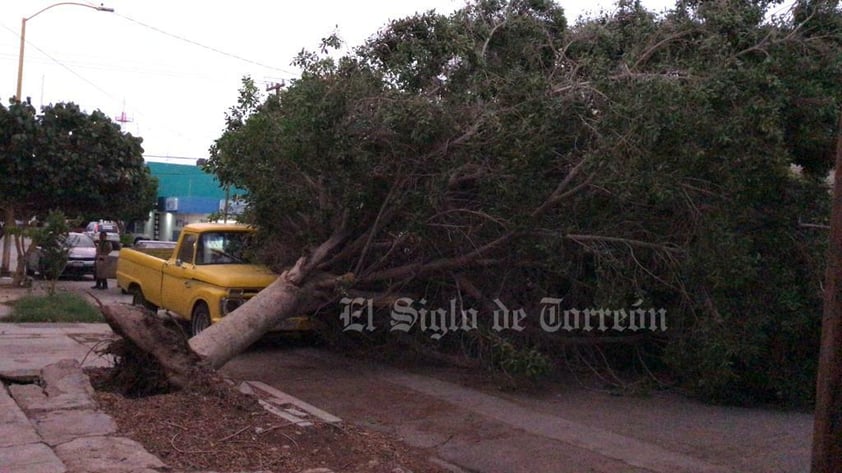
[(145, 272), (161, 249)]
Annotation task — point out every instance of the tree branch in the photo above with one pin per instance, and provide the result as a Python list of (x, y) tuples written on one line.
[(499, 221), (767, 42), (373, 230), (350, 249), (494, 30), (395, 242), (306, 264), (559, 193), (644, 244), (442, 264), (650, 51)]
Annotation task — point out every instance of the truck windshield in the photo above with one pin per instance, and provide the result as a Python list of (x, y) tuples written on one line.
[(221, 248)]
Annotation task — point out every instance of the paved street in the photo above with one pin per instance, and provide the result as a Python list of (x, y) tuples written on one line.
[(562, 428)]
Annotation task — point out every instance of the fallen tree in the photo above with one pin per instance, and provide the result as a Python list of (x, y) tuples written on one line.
[(499, 156), (302, 288)]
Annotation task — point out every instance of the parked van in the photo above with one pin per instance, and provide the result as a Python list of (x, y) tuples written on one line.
[(94, 228)]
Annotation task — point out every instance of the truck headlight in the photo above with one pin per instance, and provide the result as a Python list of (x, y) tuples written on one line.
[(230, 303)]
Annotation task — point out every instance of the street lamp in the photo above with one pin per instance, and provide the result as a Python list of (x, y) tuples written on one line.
[(9, 213), (23, 34)]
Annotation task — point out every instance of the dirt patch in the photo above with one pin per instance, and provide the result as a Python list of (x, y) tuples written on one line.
[(227, 431)]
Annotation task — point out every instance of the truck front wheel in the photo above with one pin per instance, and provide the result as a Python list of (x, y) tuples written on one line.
[(200, 319), (138, 299)]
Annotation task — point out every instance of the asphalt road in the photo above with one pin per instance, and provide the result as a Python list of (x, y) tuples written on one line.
[(461, 418)]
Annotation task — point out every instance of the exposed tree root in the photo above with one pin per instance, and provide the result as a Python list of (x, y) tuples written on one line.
[(153, 356)]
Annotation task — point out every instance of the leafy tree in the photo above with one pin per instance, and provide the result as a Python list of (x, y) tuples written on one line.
[(51, 238), (713, 100), (68, 160), (18, 127), (135, 205), (498, 154), (102, 168), (17, 136)]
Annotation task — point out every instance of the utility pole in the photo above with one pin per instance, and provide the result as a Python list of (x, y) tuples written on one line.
[(827, 428), (277, 86), (9, 212)]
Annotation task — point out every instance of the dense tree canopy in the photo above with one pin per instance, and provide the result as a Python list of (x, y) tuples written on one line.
[(498, 154), (66, 159)]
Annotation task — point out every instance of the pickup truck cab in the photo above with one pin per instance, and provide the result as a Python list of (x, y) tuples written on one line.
[(204, 278)]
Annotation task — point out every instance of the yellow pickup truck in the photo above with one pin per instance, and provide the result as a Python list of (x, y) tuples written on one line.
[(204, 279)]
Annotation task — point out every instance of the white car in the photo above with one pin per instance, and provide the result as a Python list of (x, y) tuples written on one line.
[(95, 228), (81, 257)]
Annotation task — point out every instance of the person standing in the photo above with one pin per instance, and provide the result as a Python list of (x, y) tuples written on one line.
[(103, 249)]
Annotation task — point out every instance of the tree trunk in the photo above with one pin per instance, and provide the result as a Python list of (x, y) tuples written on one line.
[(151, 336), (191, 364), (233, 334), (827, 431), (9, 224)]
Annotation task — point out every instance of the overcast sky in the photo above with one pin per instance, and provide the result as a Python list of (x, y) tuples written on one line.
[(174, 67)]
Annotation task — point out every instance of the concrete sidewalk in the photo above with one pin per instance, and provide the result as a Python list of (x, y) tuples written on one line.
[(49, 421), (27, 348)]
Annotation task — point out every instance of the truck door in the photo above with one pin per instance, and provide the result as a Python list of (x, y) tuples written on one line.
[(177, 283)]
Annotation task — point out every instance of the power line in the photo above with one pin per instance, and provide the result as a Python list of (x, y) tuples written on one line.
[(130, 69), (104, 92), (209, 48), (87, 81), (84, 79)]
